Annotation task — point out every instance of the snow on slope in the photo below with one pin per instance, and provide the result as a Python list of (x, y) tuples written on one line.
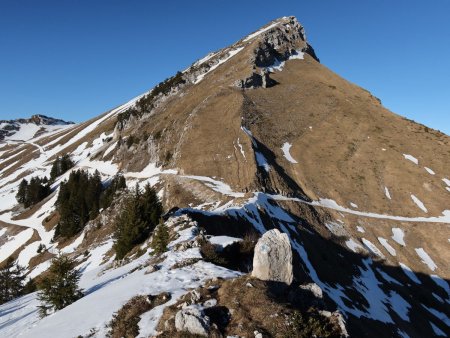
[(106, 291), (286, 147)]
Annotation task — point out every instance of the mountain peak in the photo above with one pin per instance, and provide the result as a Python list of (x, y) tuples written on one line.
[(24, 129), (285, 35)]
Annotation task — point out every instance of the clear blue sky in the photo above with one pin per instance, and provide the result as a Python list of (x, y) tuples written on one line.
[(77, 59)]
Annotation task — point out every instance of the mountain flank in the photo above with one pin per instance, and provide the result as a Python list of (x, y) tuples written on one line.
[(258, 136)]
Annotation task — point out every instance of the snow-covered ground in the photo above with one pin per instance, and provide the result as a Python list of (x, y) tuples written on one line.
[(106, 291)]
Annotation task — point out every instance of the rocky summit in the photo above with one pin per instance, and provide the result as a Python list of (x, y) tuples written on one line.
[(254, 194)]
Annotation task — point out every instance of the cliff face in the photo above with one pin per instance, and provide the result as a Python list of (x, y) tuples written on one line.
[(260, 135)]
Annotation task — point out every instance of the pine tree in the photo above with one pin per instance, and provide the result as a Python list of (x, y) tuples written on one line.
[(160, 239), (60, 287), (12, 279), (22, 192), (60, 166), (78, 202), (139, 217)]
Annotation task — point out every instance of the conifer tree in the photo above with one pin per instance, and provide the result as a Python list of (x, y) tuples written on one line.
[(160, 239), (60, 287), (22, 192), (12, 279), (78, 202), (139, 217), (60, 166)]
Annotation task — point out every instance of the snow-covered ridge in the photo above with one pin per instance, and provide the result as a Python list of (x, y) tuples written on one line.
[(26, 129)]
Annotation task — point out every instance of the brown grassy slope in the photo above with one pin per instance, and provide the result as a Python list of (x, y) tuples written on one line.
[(341, 156)]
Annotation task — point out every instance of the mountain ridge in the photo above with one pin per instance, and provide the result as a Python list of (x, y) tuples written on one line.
[(260, 135)]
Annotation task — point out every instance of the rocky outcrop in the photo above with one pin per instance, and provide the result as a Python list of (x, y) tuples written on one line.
[(281, 42), (257, 80), (272, 260), (193, 320)]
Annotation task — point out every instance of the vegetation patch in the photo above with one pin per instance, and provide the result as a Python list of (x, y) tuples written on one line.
[(245, 305), (140, 215), (80, 199), (125, 322), (146, 103)]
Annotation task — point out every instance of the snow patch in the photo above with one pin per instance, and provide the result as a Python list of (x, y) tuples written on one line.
[(372, 248), (223, 241), (387, 193), (354, 246), (426, 259), (387, 246), (398, 235), (262, 30), (431, 172), (14, 242), (411, 158), (230, 54), (419, 203), (437, 331), (286, 147), (262, 161)]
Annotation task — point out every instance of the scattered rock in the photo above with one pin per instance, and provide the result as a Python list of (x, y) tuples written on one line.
[(193, 320), (195, 296), (339, 318), (258, 334), (314, 289), (152, 268), (210, 303), (272, 260)]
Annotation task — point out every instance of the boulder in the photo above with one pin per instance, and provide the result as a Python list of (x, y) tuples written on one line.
[(193, 320), (314, 289), (272, 260)]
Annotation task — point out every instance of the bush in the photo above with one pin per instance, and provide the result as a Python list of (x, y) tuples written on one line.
[(125, 321), (60, 287), (310, 324), (139, 217)]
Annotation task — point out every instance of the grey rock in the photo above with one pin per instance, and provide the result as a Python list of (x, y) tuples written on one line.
[(272, 260), (193, 320), (314, 289)]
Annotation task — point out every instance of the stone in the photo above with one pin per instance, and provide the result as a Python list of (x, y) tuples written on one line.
[(193, 320), (152, 268), (210, 303), (314, 289), (272, 260)]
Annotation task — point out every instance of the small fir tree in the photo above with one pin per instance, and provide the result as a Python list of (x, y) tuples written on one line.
[(139, 217), (160, 239), (12, 280), (60, 287)]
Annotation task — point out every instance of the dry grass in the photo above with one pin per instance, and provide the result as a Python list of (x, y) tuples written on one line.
[(245, 305), (125, 321)]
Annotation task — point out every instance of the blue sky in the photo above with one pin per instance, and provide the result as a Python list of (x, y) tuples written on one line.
[(77, 59)]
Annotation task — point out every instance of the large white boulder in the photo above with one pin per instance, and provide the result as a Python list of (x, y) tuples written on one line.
[(272, 260)]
